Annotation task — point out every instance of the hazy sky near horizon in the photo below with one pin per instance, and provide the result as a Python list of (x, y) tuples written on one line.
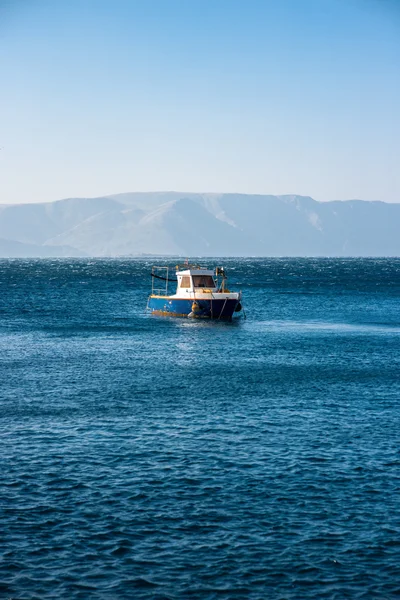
[(256, 96)]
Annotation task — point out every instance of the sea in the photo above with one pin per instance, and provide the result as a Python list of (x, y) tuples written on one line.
[(162, 458)]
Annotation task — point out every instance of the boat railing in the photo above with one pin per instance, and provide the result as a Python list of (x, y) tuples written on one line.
[(159, 292), (159, 274)]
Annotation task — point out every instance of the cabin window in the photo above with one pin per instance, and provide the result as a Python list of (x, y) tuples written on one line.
[(203, 281), (185, 282)]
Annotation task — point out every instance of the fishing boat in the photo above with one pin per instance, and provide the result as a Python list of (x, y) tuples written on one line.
[(200, 293)]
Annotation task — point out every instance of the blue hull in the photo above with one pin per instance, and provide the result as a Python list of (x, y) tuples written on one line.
[(180, 307)]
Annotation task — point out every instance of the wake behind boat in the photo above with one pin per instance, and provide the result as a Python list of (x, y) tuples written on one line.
[(200, 293)]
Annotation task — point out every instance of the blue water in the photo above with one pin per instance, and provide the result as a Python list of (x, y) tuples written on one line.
[(159, 458)]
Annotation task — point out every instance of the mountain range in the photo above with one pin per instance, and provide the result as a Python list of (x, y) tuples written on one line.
[(189, 224)]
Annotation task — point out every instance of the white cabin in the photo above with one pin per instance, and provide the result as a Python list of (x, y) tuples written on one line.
[(195, 280)]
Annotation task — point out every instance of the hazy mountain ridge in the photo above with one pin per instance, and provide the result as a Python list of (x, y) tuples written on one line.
[(200, 224), (15, 249)]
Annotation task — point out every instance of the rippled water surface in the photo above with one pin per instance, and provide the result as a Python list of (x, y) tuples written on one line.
[(161, 458)]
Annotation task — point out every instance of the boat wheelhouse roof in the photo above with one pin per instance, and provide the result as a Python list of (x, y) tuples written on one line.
[(196, 271)]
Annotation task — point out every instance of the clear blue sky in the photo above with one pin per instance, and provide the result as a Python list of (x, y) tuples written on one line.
[(257, 96)]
